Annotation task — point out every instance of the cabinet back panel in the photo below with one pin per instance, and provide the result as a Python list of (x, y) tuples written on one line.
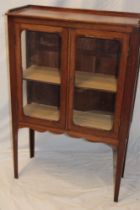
[(43, 49), (42, 93), (86, 100), (97, 55)]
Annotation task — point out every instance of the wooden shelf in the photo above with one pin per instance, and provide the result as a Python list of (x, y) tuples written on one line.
[(94, 119), (86, 80), (42, 111), (42, 74), (91, 119)]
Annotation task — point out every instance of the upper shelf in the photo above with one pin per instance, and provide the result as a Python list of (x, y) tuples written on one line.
[(85, 80), (88, 80), (42, 74)]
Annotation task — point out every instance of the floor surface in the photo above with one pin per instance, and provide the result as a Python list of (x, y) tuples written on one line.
[(67, 175)]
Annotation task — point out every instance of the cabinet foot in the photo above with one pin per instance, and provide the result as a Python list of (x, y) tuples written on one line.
[(124, 162), (15, 153), (119, 166), (32, 142)]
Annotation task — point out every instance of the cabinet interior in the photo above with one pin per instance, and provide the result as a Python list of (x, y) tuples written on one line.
[(95, 86)]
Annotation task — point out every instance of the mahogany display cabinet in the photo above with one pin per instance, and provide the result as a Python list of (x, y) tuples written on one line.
[(74, 71)]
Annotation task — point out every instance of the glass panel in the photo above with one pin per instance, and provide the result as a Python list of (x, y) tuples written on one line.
[(96, 73), (41, 74)]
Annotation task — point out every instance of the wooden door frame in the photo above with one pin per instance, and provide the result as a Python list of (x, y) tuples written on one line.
[(124, 39), (63, 87)]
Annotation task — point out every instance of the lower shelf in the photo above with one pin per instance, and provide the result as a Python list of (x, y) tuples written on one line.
[(91, 119), (42, 111), (94, 119)]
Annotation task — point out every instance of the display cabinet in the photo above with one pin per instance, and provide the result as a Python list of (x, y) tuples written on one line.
[(74, 71)]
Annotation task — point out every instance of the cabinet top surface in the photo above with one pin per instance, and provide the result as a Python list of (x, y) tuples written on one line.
[(77, 15)]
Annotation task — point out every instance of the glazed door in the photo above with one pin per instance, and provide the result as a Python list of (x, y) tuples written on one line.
[(41, 70), (98, 65)]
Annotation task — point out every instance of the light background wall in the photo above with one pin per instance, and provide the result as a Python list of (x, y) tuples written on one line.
[(62, 141)]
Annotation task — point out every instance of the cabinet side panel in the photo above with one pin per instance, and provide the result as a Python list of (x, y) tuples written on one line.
[(130, 85), (13, 75)]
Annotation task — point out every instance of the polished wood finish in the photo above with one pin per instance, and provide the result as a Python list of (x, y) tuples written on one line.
[(80, 70), (75, 15)]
